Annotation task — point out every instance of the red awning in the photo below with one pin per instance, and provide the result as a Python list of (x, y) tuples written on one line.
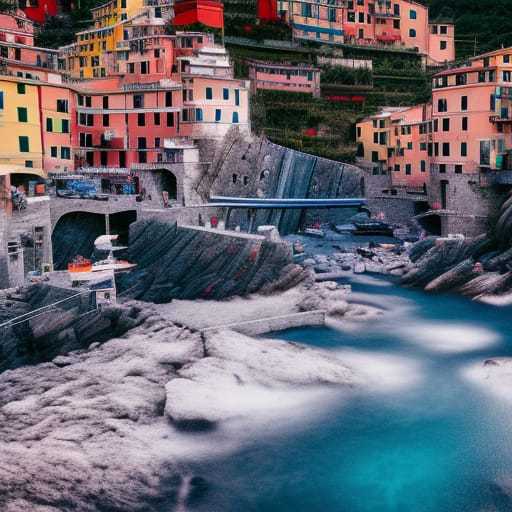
[(388, 38)]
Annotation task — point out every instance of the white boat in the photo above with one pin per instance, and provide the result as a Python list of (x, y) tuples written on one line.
[(104, 243)]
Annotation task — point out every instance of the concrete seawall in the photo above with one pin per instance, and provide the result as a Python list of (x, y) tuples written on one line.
[(274, 323)]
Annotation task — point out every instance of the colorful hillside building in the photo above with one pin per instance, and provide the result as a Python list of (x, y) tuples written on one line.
[(456, 145), (399, 24)]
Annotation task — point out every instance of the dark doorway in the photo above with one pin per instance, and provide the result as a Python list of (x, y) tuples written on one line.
[(444, 194)]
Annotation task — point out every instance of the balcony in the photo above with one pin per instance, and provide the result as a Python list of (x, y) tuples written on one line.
[(385, 13), (500, 120)]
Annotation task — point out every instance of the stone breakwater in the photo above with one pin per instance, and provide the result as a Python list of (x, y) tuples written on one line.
[(193, 263), (110, 427)]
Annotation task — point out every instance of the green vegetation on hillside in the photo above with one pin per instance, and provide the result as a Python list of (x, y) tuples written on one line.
[(489, 20)]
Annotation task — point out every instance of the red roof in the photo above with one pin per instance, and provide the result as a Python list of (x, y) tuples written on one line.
[(207, 12)]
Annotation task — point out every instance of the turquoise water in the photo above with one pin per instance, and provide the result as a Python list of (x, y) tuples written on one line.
[(440, 444)]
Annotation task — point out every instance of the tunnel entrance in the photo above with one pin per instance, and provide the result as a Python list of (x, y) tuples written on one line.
[(75, 233), (431, 224)]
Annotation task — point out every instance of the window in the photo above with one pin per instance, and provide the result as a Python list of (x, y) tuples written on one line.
[(141, 119), (168, 99), (24, 144), (412, 32), (21, 88), (436, 125), (158, 12), (157, 142), (88, 101), (375, 137), (138, 101), (396, 24), (53, 151), (144, 68), (103, 158), (131, 68), (351, 17), (141, 143), (443, 29), (506, 76), (409, 145), (412, 15), (458, 169), (199, 114), (436, 148), (225, 93), (62, 105), (396, 9), (17, 54), (446, 124), (423, 166), (361, 17), (218, 115), (22, 115), (408, 169), (1, 100), (143, 157), (65, 126), (105, 102), (90, 120), (442, 105), (29, 163), (446, 149), (170, 118), (442, 45), (65, 153), (235, 117), (465, 124), (461, 79), (209, 92), (463, 149), (506, 59), (237, 97), (306, 10), (397, 167), (106, 120), (375, 156), (464, 103), (442, 168), (331, 14), (49, 124)]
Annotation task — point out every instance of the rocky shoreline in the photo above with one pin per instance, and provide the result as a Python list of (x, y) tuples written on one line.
[(76, 430)]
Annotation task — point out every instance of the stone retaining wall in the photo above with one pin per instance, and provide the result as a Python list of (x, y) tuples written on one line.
[(275, 323)]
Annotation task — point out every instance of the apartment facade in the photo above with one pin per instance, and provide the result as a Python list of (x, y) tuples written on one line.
[(284, 77), (458, 145), (388, 23)]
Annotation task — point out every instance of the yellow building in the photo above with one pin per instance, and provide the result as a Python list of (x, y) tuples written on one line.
[(88, 56), (20, 126), (373, 137)]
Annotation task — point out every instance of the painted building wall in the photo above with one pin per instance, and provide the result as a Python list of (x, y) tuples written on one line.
[(20, 128), (58, 112)]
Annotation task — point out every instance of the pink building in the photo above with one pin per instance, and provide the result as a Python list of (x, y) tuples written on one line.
[(57, 110), (17, 50), (401, 24), (284, 77)]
